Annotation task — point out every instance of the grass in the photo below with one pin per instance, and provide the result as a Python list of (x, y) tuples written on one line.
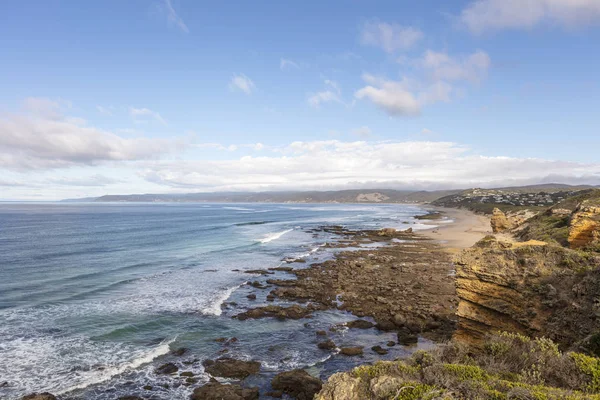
[(511, 366)]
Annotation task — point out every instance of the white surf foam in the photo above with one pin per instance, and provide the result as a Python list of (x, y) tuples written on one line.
[(274, 236), (215, 308), (96, 377)]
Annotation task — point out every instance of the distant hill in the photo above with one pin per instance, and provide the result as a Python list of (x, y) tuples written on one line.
[(437, 197)]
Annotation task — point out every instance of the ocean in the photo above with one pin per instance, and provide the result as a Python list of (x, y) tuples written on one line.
[(93, 297)]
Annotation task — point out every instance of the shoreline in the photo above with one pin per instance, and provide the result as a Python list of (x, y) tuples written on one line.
[(466, 230)]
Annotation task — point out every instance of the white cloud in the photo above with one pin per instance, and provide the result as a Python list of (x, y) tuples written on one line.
[(40, 140), (108, 111), (395, 98), (286, 64), (489, 15), (472, 67), (363, 131), (173, 18), (241, 82), (389, 37), (143, 114), (332, 94), (334, 164), (436, 81)]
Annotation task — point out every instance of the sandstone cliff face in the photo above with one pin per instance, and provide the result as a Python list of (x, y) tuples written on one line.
[(584, 226), (500, 222), (534, 290)]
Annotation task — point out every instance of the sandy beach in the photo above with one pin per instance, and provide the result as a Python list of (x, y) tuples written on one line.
[(466, 230)]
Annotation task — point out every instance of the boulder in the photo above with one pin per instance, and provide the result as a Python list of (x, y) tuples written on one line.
[(379, 350), (291, 312), (327, 345), (387, 232), (39, 396), (166, 369), (214, 390), (500, 222), (298, 384), (179, 352), (406, 338), (231, 368), (360, 324), (352, 351)]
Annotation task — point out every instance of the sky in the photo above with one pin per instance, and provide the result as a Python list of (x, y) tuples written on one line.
[(177, 96)]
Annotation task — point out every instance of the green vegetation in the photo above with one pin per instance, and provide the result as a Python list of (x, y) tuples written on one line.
[(510, 366)]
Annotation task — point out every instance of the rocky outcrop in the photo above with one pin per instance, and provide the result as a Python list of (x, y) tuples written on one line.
[(500, 222), (214, 390), (231, 368), (584, 225), (298, 384), (39, 396), (531, 289)]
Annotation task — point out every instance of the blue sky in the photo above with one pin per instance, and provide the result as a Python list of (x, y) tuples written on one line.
[(181, 95)]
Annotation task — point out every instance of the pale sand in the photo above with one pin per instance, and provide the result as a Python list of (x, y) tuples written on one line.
[(466, 230)]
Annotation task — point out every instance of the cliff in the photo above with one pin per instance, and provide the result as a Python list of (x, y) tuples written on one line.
[(528, 288)]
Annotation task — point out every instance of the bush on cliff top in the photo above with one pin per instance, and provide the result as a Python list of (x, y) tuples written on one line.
[(511, 366)]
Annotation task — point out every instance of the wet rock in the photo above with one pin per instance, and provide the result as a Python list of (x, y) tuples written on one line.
[(251, 296), (191, 380), (298, 384), (221, 340), (231, 368), (277, 394), (131, 398), (270, 297), (214, 390), (379, 350), (258, 285), (187, 373), (39, 396), (385, 325), (360, 324), (179, 352), (147, 387), (321, 333), (327, 345), (283, 269), (407, 338), (352, 351), (282, 282), (391, 343), (258, 272), (166, 369), (279, 312), (231, 341)]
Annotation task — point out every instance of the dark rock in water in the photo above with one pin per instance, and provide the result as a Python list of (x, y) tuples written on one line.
[(166, 369), (231, 368), (277, 394), (321, 333), (298, 383), (282, 282), (359, 324), (231, 341), (283, 269), (386, 326), (131, 398), (292, 312), (258, 272), (270, 297), (251, 296), (214, 390), (379, 350), (179, 352), (221, 340), (3, 384), (147, 387), (327, 345), (191, 380), (406, 338), (391, 343), (187, 373), (39, 396), (258, 285), (352, 351)]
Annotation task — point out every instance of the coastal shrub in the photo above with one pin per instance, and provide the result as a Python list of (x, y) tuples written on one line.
[(510, 366)]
